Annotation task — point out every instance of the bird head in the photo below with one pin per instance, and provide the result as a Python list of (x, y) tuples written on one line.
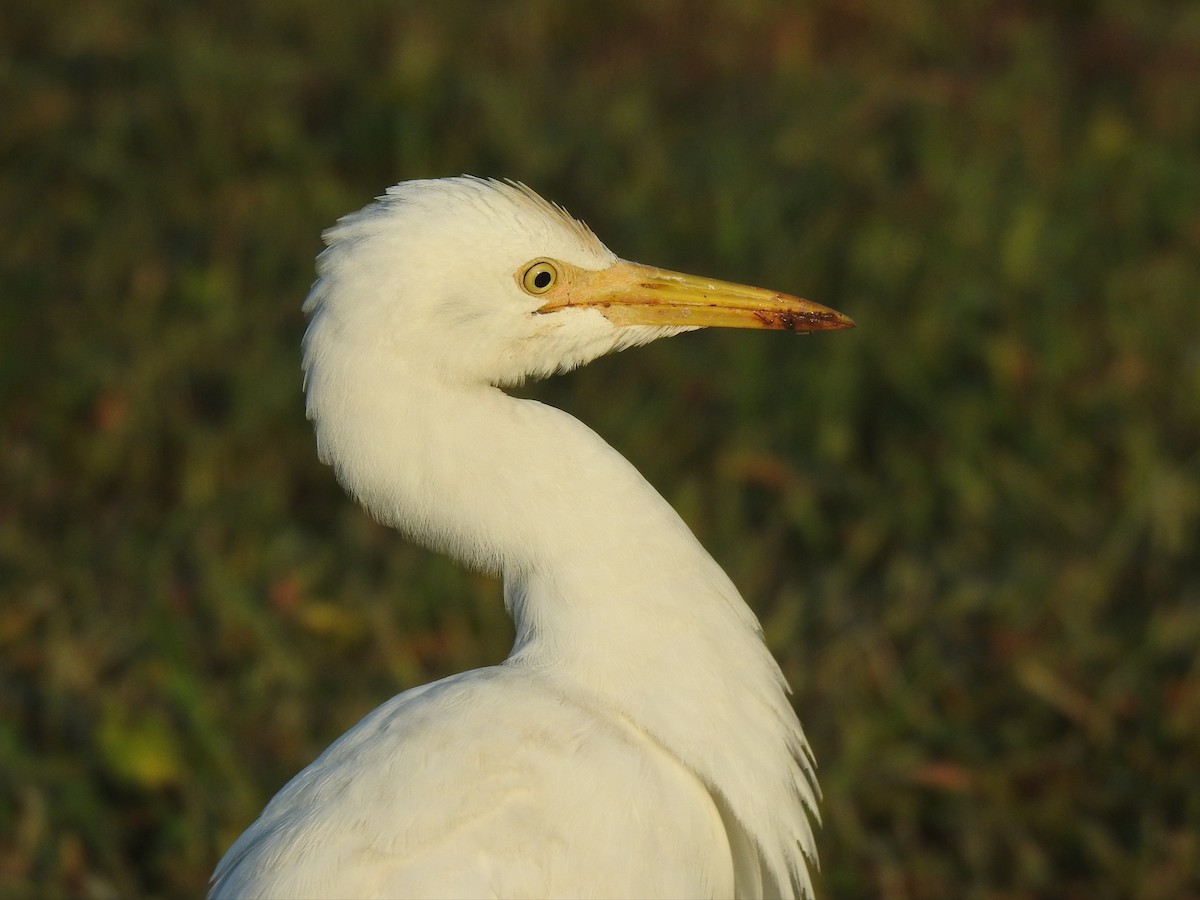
[(484, 281)]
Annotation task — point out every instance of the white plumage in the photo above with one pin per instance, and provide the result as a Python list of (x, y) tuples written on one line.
[(638, 741)]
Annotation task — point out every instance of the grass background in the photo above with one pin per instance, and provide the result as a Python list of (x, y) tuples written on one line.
[(970, 527)]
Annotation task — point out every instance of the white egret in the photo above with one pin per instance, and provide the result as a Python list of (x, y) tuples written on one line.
[(638, 741)]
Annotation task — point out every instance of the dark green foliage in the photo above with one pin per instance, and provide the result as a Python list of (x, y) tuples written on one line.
[(971, 527)]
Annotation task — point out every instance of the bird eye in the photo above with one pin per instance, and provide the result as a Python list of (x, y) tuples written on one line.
[(539, 277)]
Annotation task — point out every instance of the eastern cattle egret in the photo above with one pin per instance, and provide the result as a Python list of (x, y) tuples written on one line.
[(638, 741)]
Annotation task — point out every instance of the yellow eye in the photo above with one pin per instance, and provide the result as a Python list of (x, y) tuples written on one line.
[(539, 277)]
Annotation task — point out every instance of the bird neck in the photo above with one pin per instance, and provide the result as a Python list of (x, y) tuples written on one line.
[(611, 594)]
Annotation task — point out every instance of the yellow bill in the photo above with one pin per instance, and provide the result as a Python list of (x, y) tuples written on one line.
[(632, 294)]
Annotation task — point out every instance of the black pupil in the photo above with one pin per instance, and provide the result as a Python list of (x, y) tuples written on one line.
[(541, 279)]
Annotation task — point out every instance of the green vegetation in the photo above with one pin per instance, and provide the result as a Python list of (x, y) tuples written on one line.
[(971, 527)]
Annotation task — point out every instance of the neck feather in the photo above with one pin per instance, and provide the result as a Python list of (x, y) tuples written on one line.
[(610, 591)]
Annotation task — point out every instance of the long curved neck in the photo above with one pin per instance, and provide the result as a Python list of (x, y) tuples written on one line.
[(609, 590)]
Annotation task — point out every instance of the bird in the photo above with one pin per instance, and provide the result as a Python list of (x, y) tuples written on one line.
[(638, 741)]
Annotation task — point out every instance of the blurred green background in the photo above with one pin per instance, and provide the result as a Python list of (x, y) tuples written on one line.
[(970, 527)]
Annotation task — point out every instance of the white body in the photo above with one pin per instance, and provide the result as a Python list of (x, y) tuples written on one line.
[(638, 741)]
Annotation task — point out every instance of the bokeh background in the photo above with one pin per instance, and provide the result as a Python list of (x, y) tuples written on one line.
[(970, 527)]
